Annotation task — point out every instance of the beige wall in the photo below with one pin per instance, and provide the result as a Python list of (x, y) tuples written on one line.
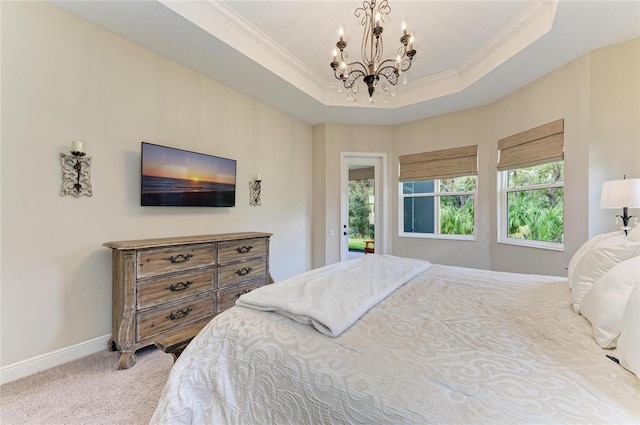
[(329, 141), (320, 234), (561, 94), (64, 79), (598, 95), (614, 143), (447, 131)]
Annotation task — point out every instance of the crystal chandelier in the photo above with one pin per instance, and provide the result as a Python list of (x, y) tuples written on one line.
[(372, 69)]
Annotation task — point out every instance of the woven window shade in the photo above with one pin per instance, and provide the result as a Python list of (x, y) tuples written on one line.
[(532, 147), (442, 164)]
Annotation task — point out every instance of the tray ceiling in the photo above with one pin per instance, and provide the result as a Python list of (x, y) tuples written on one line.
[(470, 53)]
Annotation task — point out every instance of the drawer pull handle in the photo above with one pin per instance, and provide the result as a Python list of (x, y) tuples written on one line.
[(180, 258), (180, 314), (180, 286), (244, 271), (244, 249), (246, 291)]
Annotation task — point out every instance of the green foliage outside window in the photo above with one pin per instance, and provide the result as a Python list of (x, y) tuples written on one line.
[(535, 204), (552, 172), (428, 206), (456, 215), (456, 212), (536, 213), (360, 210)]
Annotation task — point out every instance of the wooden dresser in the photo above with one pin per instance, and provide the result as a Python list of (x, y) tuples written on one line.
[(166, 286)]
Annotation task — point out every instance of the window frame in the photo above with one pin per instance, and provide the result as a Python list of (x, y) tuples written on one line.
[(436, 194), (503, 212)]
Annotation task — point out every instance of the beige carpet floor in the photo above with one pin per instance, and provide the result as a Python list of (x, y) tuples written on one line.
[(88, 391)]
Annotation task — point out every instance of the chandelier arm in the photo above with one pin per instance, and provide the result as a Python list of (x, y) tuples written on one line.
[(390, 73), (356, 73), (386, 86), (338, 74), (344, 56), (351, 78), (405, 64), (402, 51), (357, 66), (352, 75), (387, 63)]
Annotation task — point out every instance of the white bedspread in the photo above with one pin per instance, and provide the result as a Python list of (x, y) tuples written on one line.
[(332, 298), (452, 346)]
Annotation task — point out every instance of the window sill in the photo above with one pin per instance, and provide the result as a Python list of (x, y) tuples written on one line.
[(533, 244), (471, 238)]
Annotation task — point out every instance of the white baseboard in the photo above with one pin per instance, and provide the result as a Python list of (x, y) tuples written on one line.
[(54, 358)]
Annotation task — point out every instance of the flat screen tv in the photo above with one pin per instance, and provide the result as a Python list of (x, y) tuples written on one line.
[(176, 177)]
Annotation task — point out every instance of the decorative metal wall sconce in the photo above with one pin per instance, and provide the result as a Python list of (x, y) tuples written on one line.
[(76, 179), (254, 191)]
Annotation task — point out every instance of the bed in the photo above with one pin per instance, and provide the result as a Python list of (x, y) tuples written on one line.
[(452, 345)]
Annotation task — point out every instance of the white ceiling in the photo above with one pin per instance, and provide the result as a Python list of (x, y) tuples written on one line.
[(469, 53)]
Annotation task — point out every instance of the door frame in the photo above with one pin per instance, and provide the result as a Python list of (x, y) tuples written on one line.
[(379, 162)]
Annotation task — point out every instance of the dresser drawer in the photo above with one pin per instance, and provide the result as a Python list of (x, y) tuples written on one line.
[(243, 271), (227, 297), (166, 260), (242, 249), (156, 321), (174, 287)]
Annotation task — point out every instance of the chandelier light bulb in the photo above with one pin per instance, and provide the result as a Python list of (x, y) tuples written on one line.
[(378, 19), (341, 32), (404, 28)]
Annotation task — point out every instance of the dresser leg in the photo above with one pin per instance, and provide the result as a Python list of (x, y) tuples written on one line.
[(111, 345), (127, 359)]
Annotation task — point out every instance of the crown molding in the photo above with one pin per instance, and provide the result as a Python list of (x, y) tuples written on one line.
[(223, 23)]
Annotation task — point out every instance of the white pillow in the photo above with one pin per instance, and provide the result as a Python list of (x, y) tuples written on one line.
[(584, 249), (634, 233), (605, 302), (597, 261), (628, 351)]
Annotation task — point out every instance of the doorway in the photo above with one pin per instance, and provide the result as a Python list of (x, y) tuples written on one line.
[(363, 199)]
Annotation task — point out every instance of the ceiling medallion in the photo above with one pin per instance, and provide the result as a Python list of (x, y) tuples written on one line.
[(372, 67)]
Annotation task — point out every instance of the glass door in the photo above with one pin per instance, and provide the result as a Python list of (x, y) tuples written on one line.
[(362, 227)]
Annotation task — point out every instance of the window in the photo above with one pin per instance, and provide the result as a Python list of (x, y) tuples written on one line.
[(438, 194), (531, 176), (439, 207)]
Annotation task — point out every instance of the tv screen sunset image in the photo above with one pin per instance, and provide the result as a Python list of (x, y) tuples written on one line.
[(175, 177)]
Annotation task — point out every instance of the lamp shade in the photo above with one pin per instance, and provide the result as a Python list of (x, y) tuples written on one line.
[(620, 194)]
